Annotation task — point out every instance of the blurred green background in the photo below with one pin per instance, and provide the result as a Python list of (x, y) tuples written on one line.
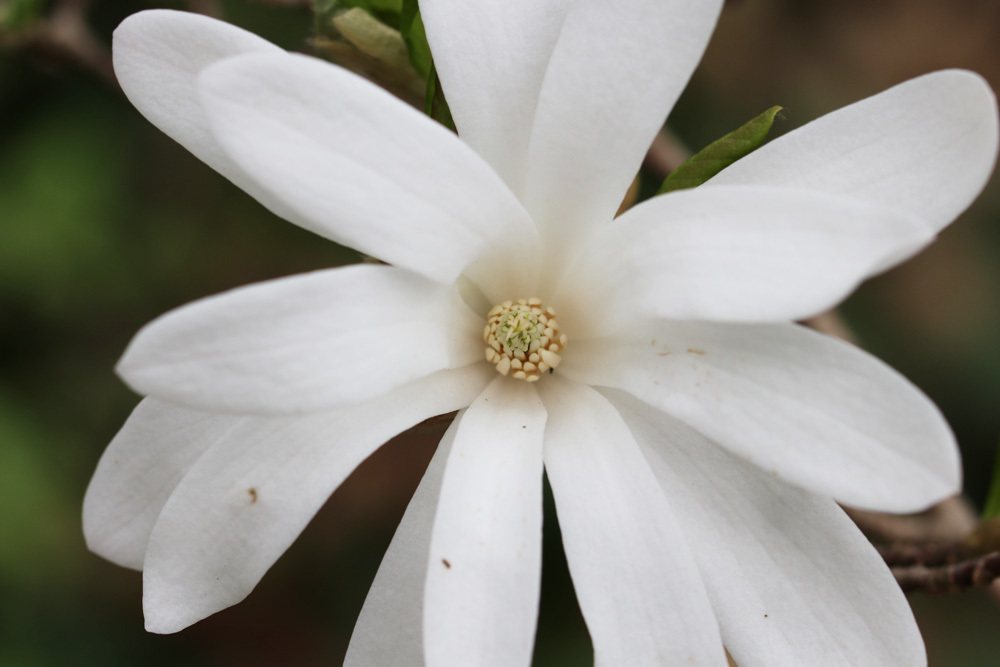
[(106, 223)]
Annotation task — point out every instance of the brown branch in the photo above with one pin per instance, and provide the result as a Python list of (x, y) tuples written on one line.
[(973, 573), (930, 554)]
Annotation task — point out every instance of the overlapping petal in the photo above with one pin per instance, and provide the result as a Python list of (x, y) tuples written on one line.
[(484, 571), (925, 147), (615, 72), (390, 628), (359, 166), (249, 496), (694, 483), (737, 253), (304, 343), (816, 411), (792, 579), (139, 470), (564, 97), (492, 58), (636, 581), (158, 55)]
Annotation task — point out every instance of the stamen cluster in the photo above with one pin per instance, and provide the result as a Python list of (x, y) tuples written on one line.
[(523, 339)]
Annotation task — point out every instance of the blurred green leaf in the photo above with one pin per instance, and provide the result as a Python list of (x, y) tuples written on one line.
[(991, 508), (386, 11), (36, 516), (390, 38), (372, 37), (17, 14), (721, 153), (59, 212)]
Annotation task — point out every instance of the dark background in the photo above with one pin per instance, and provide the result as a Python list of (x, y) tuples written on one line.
[(106, 223)]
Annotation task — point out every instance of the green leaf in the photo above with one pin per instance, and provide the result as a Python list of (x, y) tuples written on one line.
[(389, 33), (991, 510), (435, 105), (412, 28), (386, 11), (372, 37), (721, 153)]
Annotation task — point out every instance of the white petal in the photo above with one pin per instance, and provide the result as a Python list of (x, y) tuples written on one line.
[(742, 253), (637, 583), (615, 72), (814, 410), (139, 470), (926, 147), (389, 630), (492, 57), (158, 55), (358, 165), (304, 343), (483, 576), (792, 579), (247, 499)]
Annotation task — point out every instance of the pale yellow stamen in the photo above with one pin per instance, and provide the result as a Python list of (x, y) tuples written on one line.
[(523, 339)]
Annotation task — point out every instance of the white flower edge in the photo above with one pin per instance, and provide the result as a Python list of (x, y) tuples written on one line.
[(791, 579), (187, 520), (814, 410), (970, 174), (746, 530), (925, 147)]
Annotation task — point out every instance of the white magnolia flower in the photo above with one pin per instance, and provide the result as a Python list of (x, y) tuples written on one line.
[(696, 439)]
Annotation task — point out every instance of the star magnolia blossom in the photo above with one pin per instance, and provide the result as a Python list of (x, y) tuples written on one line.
[(695, 438)]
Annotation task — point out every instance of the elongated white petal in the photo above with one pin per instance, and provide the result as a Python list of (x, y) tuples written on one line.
[(252, 493), (492, 57), (925, 147), (742, 253), (484, 569), (158, 55), (304, 343), (814, 410), (637, 583), (389, 631), (139, 470), (358, 165), (617, 69), (792, 579)]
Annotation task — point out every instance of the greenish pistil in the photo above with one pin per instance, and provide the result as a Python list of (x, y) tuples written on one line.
[(523, 339), (520, 331)]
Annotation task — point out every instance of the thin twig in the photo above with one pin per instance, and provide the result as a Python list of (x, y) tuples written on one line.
[(930, 554), (973, 573)]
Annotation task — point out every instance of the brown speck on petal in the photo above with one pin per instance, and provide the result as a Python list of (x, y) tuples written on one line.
[(695, 350), (252, 492), (446, 563)]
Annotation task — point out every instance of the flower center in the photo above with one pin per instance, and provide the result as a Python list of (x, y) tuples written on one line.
[(523, 339)]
